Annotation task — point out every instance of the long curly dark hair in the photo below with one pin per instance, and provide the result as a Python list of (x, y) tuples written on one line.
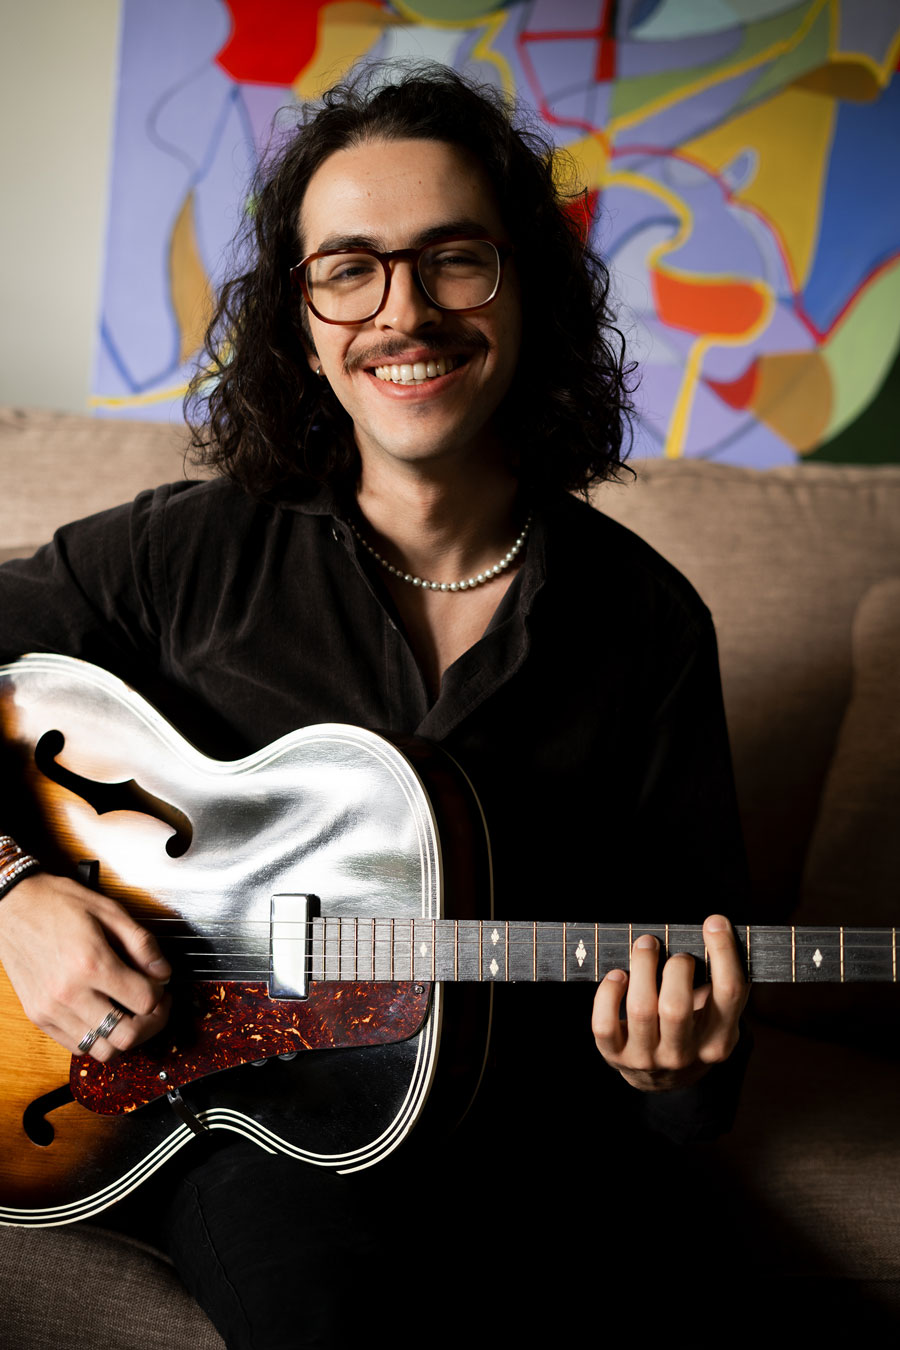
[(258, 413)]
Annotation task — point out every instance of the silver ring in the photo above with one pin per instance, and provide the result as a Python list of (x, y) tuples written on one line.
[(109, 1024)]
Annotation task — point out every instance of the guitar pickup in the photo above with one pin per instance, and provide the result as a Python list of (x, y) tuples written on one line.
[(290, 949)]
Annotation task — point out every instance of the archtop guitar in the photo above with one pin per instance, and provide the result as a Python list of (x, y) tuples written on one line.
[(326, 899)]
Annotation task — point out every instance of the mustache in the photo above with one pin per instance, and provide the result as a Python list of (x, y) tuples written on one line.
[(466, 341)]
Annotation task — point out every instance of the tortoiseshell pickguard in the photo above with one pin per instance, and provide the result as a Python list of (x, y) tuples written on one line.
[(228, 1024)]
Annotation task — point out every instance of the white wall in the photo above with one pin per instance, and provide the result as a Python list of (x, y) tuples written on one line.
[(57, 78)]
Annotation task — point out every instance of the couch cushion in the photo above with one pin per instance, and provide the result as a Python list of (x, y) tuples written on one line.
[(67, 1288), (815, 1152), (782, 558)]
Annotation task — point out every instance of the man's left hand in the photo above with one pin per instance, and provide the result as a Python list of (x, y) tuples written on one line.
[(669, 1038)]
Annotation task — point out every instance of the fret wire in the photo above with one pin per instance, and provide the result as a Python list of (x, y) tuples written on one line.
[(630, 945), (842, 955), (340, 949), (793, 954), (894, 953), (456, 952), (534, 953), (667, 942), (749, 973), (480, 949), (356, 947), (506, 947), (412, 948), (565, 953), (596, 951), (391, 959), (374, 933)]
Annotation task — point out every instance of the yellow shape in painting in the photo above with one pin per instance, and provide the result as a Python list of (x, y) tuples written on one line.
[(793, 396), (863, 346), (192, 296), (347, 30), (789, 182), (591, 154), (163, 395)]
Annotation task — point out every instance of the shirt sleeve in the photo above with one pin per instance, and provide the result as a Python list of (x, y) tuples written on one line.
[(88, 594)]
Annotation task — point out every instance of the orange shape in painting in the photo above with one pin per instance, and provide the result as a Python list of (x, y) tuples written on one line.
[(794, 397), (709, 308), (790, 392), (191, 293), (271, 41)]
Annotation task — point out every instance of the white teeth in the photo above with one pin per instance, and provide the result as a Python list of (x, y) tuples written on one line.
[(416, 373)]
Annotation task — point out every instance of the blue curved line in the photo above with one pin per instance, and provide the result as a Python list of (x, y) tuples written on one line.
[(212, 146), (153, 135), (134, 386), (638, 228)]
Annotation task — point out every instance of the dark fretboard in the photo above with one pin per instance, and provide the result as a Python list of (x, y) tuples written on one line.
[(347, 949)]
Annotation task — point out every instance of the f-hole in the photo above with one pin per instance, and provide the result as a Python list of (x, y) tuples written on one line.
[(34, 1117), (105, 797)]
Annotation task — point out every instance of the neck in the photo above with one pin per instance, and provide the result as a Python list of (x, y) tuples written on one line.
[(440, 525)]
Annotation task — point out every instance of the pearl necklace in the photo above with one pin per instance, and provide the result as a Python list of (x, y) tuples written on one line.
[(470, 584)]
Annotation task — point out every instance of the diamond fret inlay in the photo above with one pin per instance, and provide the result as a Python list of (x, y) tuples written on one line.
[(818, 958), (580, 952), (423, 949), (493, 967), (495, 937)]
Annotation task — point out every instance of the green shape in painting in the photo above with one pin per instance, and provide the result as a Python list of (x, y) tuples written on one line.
[(448, 11)]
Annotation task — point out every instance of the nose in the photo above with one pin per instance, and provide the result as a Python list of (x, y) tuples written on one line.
[(407, 308)]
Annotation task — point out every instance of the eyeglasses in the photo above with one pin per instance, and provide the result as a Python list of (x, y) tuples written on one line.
[(351, 285)]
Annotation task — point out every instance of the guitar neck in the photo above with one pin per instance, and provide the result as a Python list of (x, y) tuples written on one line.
[(351, 949)]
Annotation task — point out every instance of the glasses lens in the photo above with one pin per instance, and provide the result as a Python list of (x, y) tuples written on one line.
[(462, 274), (346, 287)]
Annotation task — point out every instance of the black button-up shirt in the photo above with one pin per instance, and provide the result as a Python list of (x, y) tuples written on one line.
[(588, 716)]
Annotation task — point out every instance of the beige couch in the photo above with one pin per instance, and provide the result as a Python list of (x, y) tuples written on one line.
[(801, 568)]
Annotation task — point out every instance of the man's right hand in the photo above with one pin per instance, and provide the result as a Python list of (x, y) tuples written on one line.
[(57, 943)]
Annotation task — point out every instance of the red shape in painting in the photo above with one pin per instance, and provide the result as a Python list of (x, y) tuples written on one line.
[(581, 211), (271, 41), (605, 64), (737, 393)]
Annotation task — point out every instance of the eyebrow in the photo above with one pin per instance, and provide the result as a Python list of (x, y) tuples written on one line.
[(447, 229)]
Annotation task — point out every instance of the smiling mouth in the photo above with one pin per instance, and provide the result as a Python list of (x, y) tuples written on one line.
[(418, 373)]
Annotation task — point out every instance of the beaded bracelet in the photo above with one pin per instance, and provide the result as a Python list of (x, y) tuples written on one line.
[(15, 864)]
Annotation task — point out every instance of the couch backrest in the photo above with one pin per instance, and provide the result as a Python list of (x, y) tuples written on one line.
[(58, 467), (783, 558)]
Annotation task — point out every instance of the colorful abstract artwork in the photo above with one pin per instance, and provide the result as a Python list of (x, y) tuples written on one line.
[(740, 158)]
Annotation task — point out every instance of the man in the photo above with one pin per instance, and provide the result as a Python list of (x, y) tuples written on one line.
[(411, 375)]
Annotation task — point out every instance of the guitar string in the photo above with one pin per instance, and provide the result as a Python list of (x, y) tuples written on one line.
[(546, 930), (468, 935)]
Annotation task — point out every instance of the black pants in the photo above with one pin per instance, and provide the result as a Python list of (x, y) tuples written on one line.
[(477, 1242)]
